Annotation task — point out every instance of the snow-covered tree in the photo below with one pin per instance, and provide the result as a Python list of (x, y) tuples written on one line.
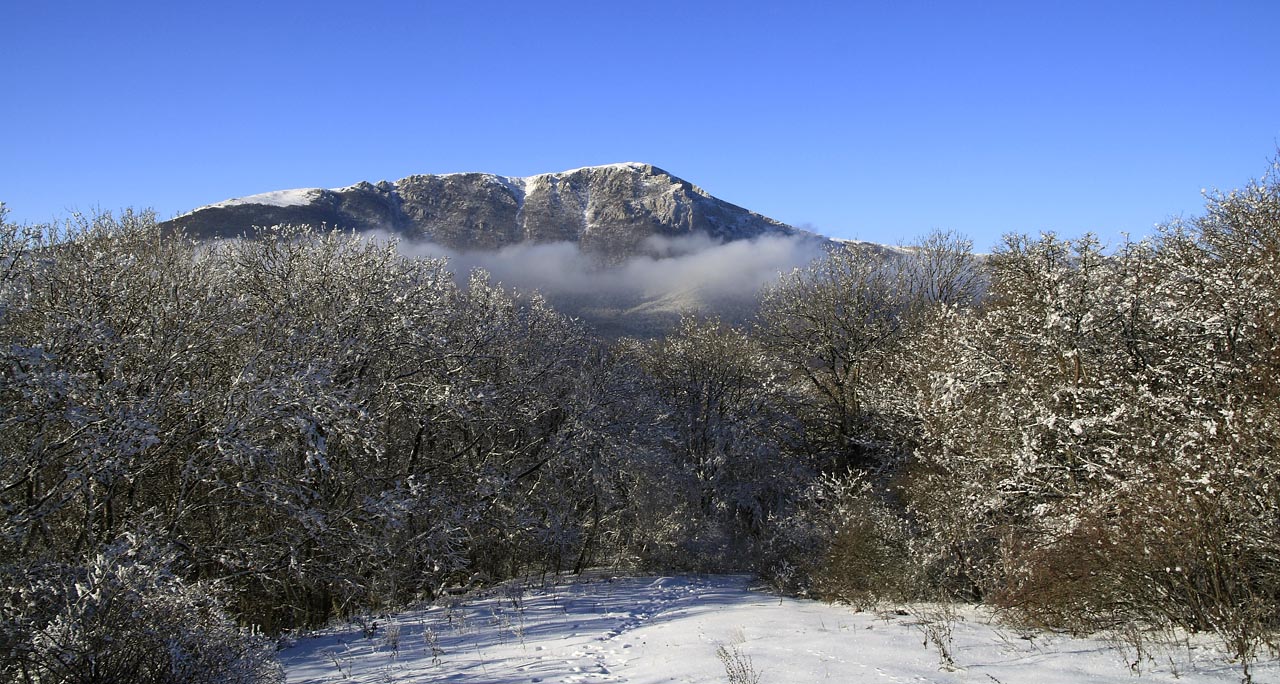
[(1096, 439), (726, 407), (834, 327), (123, 615)]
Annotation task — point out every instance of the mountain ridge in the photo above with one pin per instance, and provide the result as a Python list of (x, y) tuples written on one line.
[(628, 247), (610, 211)]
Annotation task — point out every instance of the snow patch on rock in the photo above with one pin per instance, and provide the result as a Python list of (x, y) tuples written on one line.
[(297, 197)]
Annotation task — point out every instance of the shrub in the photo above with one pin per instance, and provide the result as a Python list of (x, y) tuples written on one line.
[(123, 616), (1164, 554), (844, 543)]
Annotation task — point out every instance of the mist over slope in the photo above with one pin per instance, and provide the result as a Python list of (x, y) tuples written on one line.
[(627, 247), (643, 294)]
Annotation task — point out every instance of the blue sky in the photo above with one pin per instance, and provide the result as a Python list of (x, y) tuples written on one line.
[(871, 120)]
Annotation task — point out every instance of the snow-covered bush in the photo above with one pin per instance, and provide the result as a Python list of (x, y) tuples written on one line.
[(724, 408), (316, 420), (123, 616), (1096, 440), (843, 542), (835, 328)]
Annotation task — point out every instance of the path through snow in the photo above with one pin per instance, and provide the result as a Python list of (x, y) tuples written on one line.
[(645, 630)]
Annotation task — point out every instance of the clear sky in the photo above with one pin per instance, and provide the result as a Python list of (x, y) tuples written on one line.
[(871, 120)]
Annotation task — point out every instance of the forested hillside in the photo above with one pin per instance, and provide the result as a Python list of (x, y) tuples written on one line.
[(204, 444)]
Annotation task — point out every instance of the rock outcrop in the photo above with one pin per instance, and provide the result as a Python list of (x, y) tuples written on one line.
[(609, 211)]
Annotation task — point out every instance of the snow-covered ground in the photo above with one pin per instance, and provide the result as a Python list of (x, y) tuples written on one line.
[(645, 630)]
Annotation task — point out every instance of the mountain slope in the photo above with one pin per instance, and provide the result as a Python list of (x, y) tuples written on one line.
[(611, 211)]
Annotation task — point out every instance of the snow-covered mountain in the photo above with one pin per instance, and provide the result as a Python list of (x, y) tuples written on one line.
[(611, 212), (627, 247)]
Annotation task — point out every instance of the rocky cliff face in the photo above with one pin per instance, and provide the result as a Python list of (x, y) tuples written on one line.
[(609, 211)]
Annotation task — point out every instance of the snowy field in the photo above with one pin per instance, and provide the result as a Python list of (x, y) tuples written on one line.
[(646, 630)]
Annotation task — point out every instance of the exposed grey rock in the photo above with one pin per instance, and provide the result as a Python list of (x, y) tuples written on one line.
[(609, 211)]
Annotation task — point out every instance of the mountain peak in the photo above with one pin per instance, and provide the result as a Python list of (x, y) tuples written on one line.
[(620, 166), (609, 210)]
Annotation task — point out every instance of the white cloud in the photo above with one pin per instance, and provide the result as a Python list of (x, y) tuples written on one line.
[(667, 266)]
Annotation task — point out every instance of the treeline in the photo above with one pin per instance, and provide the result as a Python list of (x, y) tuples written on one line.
[(196, 438)]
